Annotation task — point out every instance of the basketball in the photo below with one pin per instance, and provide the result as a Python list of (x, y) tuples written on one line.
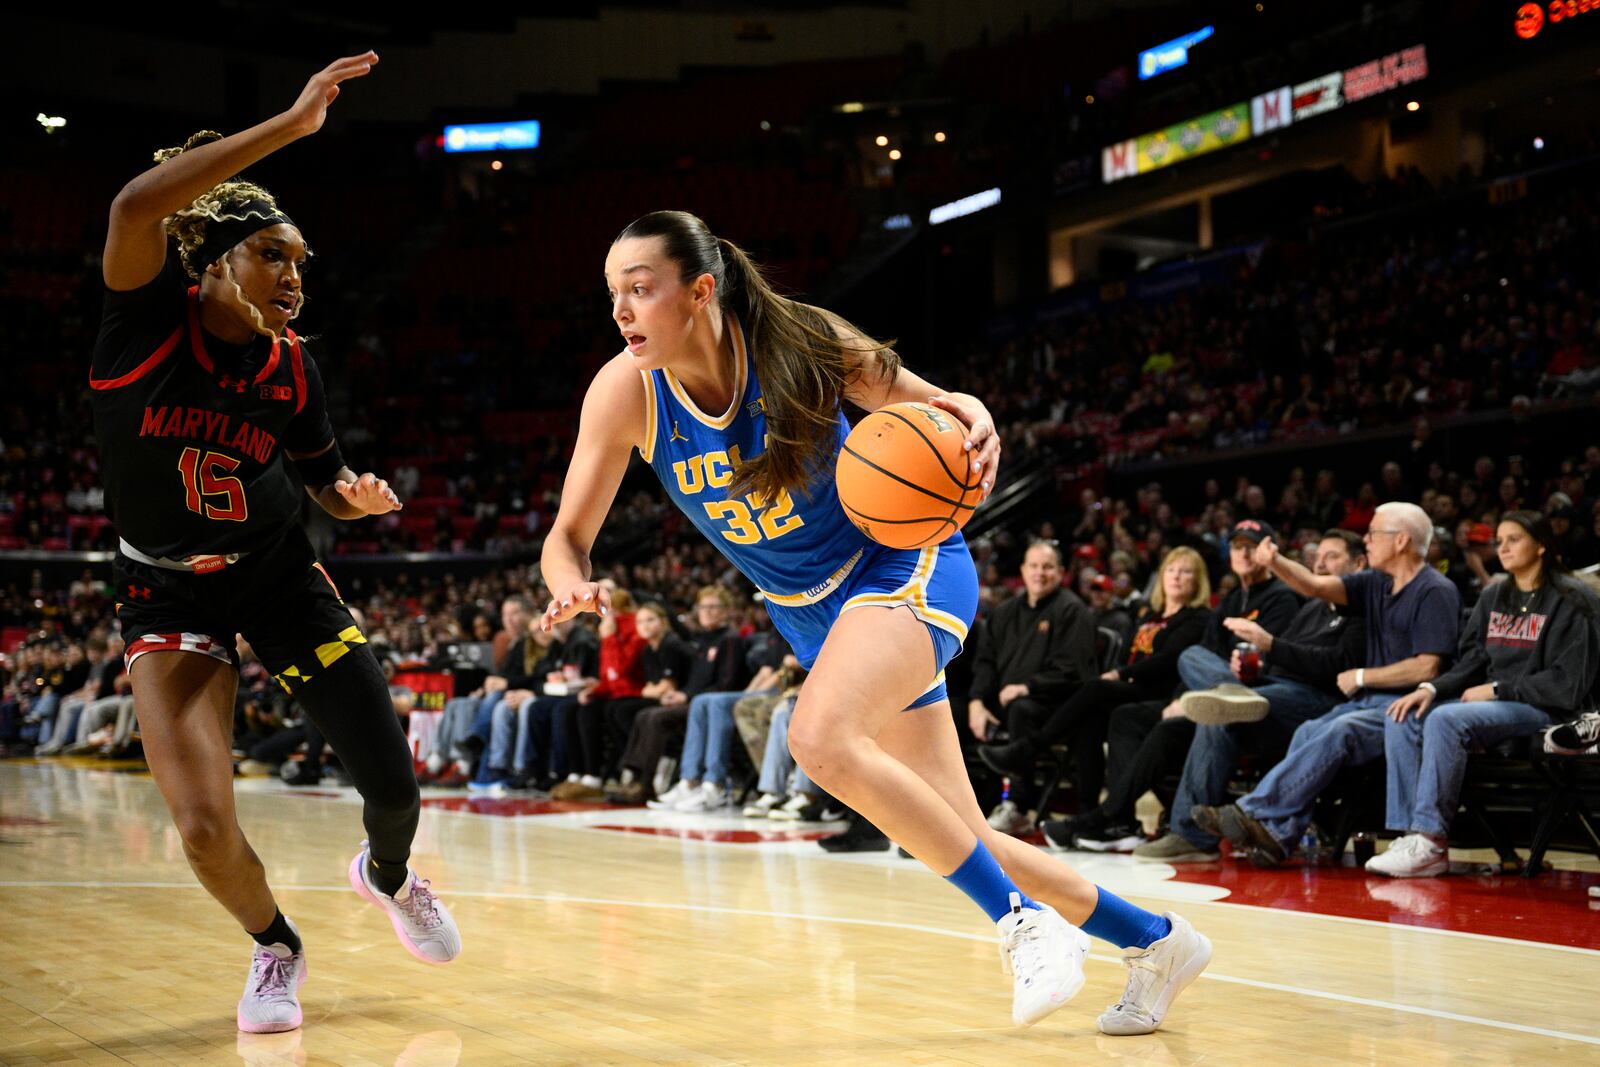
[(905, 478)]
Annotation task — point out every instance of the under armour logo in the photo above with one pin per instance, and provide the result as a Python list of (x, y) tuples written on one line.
[(136, 593), (238, 385), (676, 436)]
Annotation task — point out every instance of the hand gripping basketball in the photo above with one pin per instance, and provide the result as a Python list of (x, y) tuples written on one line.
[(905, 475)]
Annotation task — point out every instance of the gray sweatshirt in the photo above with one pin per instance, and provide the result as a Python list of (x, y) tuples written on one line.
[(1541, 649)]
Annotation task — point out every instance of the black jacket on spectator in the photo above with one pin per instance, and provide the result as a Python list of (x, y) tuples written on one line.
[(718, 665), (764, 648), (1270, 604), (1317, 644), (581, 648), (1157, 643), (1542, 649), (1048, 646), (672, 660)]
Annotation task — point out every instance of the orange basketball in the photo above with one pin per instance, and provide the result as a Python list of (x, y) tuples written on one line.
[(905, 478)]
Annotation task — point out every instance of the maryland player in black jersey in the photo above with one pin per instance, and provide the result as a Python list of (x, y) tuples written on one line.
[(204, 400)]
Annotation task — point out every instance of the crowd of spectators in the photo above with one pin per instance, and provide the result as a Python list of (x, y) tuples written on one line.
[(1110, 630)]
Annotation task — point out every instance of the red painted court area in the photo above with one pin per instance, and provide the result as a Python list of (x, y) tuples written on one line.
[(1553, 908)]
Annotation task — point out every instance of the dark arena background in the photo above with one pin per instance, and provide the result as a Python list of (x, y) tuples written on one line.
[(1319, 273)]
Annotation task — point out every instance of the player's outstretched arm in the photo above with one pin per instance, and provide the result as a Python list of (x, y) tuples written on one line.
[(611, 426), (136, 247)]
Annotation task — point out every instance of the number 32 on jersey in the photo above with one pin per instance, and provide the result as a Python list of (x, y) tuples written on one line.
[(749, 520)]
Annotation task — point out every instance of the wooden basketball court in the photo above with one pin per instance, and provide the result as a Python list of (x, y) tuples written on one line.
[(620, 936)]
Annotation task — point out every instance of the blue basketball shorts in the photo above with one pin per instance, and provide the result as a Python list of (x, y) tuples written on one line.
[(939, 584)]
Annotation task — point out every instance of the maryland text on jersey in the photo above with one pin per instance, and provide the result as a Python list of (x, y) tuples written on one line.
[(213, 427)]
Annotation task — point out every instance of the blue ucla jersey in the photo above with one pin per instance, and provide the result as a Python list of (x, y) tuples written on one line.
[(793, 548)]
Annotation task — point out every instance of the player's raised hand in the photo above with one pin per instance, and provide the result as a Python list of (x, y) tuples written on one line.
[(311, 109), (982, 444), (369, 493), (582, 597)]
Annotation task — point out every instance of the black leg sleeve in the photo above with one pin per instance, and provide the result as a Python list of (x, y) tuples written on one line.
[(349, 703)]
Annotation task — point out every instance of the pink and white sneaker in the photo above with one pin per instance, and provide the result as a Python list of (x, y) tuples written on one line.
[(271, 1003), (420, 920)]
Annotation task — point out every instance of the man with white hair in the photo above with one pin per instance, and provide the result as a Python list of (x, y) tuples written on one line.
[(1413, 616)]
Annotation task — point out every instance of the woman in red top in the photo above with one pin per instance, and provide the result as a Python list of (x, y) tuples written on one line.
[(581, 726)]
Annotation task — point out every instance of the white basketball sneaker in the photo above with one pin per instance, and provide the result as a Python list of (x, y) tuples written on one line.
[(1156, 975), (709, 797), (271, 1002), (420, 920), (1044, 955), (670, 800), (1412, 856)]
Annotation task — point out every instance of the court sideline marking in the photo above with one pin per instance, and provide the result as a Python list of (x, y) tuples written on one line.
[(561, 898)]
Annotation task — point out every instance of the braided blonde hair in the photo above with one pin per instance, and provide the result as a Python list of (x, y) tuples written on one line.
[(221, 203)]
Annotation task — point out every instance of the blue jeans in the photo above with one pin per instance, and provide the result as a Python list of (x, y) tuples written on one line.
[(710, 734), (45, 709), (1428, 757), (503, 757), (776, 764), (535, 746), (483, 718), (1349, 735), (1201, 668), (1215, 749), (495, 766)]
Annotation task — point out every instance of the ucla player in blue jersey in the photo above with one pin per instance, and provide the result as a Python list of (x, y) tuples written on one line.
[(733, 394)]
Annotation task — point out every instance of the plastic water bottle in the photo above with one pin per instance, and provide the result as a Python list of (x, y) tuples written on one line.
[(1310, 845)]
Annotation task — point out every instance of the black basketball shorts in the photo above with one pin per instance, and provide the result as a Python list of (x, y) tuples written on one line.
[(279, 599)]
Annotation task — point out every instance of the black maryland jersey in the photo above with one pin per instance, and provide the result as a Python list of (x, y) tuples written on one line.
[(194, 433)]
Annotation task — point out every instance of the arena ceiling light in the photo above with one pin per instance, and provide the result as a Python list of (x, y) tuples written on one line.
[(51, 123), (965, 206)]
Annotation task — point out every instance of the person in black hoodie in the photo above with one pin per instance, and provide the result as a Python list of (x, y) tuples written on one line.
[(1529, 656), (1175, 619), (1033, 652)]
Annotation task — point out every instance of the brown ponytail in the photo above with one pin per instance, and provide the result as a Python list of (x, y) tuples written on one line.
[(801, 356)]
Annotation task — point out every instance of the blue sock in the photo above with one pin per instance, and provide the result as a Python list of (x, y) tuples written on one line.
[(1124, 924), (981, 878)]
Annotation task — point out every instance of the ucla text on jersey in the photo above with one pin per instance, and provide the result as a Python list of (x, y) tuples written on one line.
[(796, 548)]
